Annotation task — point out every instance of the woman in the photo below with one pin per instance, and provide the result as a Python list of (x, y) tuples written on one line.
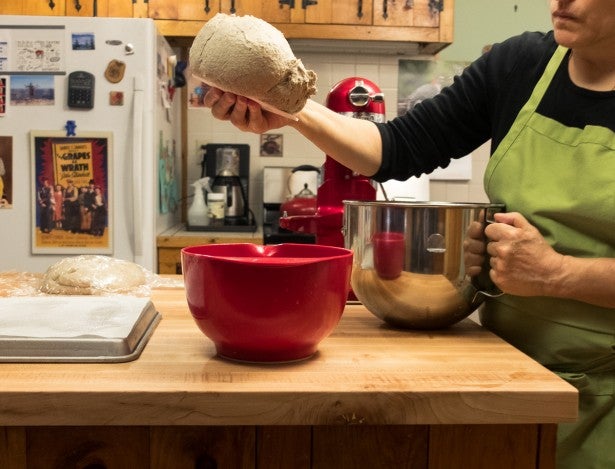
[(547, 103), (46, 203), (71, 207), (99, 213), (2, 173), (58, 206)]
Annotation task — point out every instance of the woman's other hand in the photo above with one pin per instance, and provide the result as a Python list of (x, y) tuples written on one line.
[(522, 262)]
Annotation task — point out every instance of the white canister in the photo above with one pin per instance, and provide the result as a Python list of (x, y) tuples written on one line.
[(215, 202)]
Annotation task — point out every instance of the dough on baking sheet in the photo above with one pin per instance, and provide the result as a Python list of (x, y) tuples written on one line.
[(92, 274), (19, 283), (249, 57)]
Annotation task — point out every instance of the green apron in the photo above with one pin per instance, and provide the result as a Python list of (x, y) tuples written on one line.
[(562, 180)]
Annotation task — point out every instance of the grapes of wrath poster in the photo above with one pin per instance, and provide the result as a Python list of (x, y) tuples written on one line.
[(72, 193)]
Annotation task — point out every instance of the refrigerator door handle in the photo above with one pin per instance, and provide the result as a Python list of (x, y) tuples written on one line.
[(137, 166)]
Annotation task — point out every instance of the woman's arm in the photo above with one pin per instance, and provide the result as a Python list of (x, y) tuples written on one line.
[(355, 143)]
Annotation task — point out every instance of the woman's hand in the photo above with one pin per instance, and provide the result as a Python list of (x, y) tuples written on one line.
[(522, 262), (243, 113)]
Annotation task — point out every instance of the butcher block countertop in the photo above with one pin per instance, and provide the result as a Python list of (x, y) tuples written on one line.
[(364, 373)]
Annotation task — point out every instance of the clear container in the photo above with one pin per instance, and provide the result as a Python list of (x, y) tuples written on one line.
[(215, 202)]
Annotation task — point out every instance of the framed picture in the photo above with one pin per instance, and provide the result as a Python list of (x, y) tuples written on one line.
[(272, 144), (6, 172), (72, 193)]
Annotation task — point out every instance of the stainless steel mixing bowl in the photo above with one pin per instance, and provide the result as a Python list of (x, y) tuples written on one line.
[(409, 267)]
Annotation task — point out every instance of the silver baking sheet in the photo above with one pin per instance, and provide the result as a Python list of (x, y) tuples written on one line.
[(77, 329)]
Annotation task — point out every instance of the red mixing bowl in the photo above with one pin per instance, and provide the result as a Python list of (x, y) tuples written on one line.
[(270, 303)]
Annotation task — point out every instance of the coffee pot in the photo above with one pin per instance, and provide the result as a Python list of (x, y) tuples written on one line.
[(228, 183)]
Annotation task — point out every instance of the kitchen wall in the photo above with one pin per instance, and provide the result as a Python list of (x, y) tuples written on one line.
[(477, 23)]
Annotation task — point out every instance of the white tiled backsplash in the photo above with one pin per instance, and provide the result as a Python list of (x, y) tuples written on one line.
[(330, 68)]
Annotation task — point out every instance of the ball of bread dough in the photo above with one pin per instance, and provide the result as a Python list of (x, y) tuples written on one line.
[(249, 57), (90, 275)]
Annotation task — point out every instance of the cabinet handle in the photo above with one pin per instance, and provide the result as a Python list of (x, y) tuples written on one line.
[(290, 3), (360, 9), (307, 3), (51, 4), (385, 7), (207, 7), (233, 7), (409, 5), (436, 6), (77, 5)]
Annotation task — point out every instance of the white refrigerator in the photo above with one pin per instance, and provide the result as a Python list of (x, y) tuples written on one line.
[(90, 125)]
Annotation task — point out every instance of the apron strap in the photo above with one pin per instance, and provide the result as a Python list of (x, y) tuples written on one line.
[(530, 106)]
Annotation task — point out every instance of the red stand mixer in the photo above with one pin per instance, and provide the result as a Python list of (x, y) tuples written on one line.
[(355, 97)]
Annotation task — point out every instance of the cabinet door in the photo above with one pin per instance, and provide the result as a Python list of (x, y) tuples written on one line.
[(271, 11), (194, 10), (202, 447), (104, 8), (357, 12), (417, 13), (11, 8), (74, 447), (12, 447), (373, 446), (483, 446), (284, 447), (33, 7)]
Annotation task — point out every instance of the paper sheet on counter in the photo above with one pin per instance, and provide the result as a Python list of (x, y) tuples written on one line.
[(70, 316)]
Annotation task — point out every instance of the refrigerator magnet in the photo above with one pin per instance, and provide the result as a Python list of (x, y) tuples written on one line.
[(116, 98), (115, 71)]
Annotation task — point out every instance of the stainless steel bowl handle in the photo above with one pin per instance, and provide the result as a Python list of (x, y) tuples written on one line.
[(490, 291), (486, 293)]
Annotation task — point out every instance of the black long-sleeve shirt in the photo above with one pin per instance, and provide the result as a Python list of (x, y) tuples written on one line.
[(482, 103)]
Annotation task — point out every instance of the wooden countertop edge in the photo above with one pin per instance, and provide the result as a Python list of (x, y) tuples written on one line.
[(180, 408)]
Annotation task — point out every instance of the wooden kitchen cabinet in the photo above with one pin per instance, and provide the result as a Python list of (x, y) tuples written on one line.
[(282, 447), (170, 244), (85, 8), (425, 22), (273, 11), (428, 22)]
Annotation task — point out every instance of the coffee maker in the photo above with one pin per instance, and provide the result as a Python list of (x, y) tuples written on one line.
[(228, 167)]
